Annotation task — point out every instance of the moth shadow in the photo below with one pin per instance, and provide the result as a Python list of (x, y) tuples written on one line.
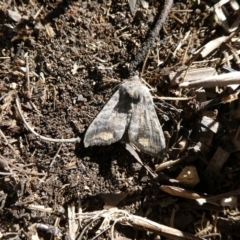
[(114, 162)]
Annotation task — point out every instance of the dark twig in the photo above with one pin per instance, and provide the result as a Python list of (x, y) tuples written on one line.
[(153, 34)]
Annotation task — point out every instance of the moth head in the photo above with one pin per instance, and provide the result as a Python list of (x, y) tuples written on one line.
[(130, 90), (134, 93)]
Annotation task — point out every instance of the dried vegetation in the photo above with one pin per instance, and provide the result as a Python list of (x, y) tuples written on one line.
[(60, 61)]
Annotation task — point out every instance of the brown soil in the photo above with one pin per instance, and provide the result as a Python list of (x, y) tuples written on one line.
[(77, 53)]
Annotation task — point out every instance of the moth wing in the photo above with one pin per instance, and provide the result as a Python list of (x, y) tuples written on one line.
[(145, 131), (111, 122)]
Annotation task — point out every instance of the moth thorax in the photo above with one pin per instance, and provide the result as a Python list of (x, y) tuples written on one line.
[(133, 93)]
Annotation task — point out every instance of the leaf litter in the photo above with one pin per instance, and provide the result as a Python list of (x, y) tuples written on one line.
[(52, 52)]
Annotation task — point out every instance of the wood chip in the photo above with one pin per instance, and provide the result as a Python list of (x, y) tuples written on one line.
[(201, 95), (211, 46), (192, 75), (210, 124), (14, 15), (213, 81), (189, 176), (218, 159), (206, 136)]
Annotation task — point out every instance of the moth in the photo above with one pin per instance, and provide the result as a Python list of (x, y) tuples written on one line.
[(129, 116)]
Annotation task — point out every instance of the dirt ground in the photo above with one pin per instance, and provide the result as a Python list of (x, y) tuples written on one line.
[(77, 53)]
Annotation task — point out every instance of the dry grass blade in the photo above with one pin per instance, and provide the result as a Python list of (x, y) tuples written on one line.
[(121, 216), (218, 80), (70, 140)]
